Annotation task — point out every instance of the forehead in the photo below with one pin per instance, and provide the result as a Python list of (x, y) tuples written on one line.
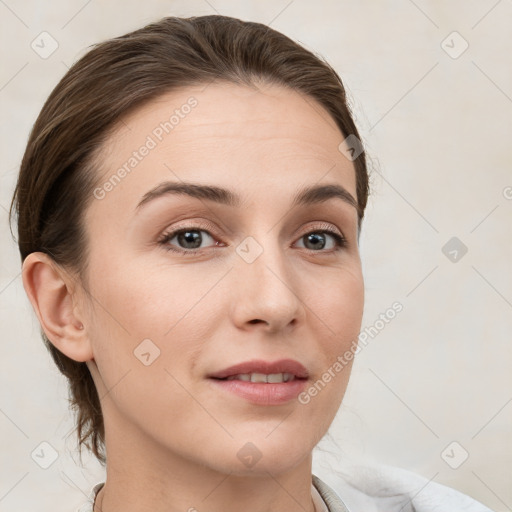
[(263, 109), (237, 136)]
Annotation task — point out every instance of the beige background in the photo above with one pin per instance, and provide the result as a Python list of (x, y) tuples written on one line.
[(437, 126)]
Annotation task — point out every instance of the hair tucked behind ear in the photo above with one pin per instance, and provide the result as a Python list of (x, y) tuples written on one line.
[(59, 172)]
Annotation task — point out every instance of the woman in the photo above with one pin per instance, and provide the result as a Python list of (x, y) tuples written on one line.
[(189, 207)]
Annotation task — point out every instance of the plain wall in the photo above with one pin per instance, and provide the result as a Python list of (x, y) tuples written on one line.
[(437, 127)]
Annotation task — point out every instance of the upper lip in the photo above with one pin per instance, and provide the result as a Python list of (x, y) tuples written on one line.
[(266, 367)]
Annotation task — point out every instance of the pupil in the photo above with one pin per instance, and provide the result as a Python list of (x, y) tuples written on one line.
[(318, 241), (192, 237)]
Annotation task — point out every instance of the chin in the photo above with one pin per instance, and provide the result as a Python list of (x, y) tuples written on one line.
[(261, 455)]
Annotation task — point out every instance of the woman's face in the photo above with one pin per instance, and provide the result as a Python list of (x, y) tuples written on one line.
[(255, 278)]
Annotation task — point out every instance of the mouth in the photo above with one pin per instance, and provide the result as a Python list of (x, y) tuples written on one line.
[(272, 378), (261, 382), (284, 369)]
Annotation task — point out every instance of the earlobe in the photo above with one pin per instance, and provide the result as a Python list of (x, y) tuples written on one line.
[(50, 291)]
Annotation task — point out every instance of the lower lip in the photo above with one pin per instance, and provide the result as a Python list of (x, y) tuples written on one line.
[(261, 393)]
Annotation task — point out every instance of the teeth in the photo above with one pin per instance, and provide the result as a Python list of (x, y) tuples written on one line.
[(273, 378), (258, 377)]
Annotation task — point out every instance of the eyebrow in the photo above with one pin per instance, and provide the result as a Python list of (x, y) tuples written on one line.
[(305, 196)]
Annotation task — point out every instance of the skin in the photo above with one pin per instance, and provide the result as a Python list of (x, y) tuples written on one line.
[(172, 439)]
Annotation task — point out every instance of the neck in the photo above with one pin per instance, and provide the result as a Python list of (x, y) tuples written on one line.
[(144, 475)]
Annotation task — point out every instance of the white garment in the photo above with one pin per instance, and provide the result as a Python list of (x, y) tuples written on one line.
[(376, 489), (381, 488)]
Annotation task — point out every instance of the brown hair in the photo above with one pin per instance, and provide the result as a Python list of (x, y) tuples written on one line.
[(58, 172)]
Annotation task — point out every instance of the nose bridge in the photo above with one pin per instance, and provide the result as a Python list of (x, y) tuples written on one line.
[(267, 287)]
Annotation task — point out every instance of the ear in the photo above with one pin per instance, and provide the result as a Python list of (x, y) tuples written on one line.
[(50, 291)]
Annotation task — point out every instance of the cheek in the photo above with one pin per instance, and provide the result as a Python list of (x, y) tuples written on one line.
[(339, 304), (143, 299), (339, 310), (176, 306), (147, 316)]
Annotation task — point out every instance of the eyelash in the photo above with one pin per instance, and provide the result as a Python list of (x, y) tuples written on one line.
[(340, 241)]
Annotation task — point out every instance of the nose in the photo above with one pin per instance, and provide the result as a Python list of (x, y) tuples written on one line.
[(267, 292)]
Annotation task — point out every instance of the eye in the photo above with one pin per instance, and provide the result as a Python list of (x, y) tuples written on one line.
[(189, 240), (317, 241)]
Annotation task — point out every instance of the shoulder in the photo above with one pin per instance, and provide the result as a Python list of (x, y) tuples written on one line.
[(386, 488), (88, 505)]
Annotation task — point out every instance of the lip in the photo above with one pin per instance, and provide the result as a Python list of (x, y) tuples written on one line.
[(260, 393), (261, 366)]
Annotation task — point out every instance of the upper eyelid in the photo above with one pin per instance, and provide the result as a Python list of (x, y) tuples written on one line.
[(323, 226)]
